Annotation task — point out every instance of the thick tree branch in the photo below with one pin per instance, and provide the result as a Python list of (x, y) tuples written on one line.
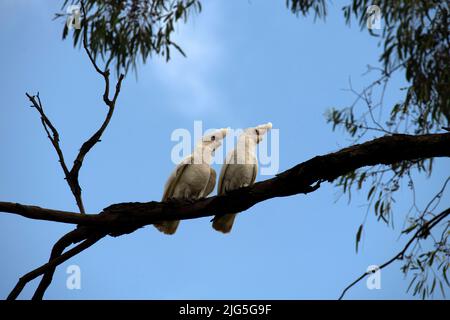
[(38, 213), (422, 232), (303, 178)]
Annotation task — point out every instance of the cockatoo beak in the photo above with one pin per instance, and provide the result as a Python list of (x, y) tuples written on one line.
[(263, 128)]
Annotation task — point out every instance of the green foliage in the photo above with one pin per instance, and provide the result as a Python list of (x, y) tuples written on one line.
[(358, 236), (304, 6), (415, 40), (121, 31), (429, 269)]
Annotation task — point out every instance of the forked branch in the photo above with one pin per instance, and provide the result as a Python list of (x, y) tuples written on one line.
[(72, 176)]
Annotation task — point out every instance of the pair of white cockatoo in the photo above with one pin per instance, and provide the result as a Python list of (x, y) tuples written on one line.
[(194, 178)]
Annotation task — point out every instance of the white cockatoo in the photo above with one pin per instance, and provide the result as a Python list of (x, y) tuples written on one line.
[(193, 178), (239, 170)]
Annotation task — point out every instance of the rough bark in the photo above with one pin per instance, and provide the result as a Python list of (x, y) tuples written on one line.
[(306, 177)]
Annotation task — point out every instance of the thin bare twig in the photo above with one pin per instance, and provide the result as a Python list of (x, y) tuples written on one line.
[(73, 174), (53, 135), (90, 143)]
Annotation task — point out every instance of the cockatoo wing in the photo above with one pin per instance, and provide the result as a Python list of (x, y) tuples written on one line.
[(230, 179), (255, 173), (211, 183), (221, 188), (175, 176), (169, 227)]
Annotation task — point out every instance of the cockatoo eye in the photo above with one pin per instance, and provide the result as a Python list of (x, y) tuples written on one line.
[(213, 138), (257, 132)]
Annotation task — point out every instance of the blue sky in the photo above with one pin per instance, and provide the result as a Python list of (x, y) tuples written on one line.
[(249, 62)]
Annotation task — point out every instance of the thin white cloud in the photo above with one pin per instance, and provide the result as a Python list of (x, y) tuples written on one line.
[(190, 80)]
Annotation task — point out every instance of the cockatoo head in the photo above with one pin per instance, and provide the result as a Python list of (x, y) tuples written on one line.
[(257, 133), (213, 140)]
